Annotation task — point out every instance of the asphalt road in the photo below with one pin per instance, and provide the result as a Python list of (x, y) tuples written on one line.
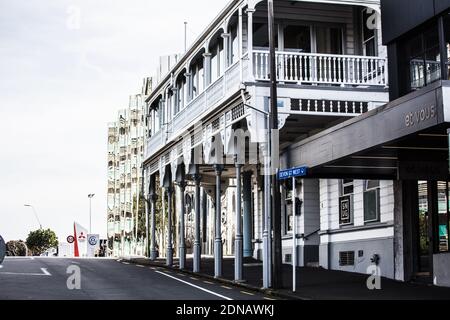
[(105, 279)]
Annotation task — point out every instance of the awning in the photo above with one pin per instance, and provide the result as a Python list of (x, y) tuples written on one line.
[(404, 139)]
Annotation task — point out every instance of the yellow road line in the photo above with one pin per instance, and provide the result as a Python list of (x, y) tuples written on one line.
[(267, 298), (208, 282), (247, 293), (225, 287)]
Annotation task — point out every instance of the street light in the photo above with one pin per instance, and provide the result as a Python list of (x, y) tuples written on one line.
[(35, 214), (90, 196)]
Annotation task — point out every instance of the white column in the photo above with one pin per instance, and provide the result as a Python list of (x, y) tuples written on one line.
[(250, 12), (226, 51), (207, 69)]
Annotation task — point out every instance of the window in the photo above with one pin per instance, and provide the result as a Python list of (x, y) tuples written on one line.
[(447, 42), (347, 187), (297, 38), (443, 217), (346, 202), (369, 33), (329, 40), (261, 35), (289, 222), (234, 45), (371, 201), (423, 58)]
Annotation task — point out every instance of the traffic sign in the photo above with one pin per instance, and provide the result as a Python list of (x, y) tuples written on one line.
[(2, 249), (70, 239), (93, 240), (292, 173)]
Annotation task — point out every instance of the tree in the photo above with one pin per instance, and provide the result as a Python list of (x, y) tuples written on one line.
[(16, 248), (40, 241)]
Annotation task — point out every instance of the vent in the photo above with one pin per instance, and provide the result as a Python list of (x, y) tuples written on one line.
[(347, 258)]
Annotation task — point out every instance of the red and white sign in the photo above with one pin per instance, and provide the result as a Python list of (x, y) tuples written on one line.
[(80, 235)]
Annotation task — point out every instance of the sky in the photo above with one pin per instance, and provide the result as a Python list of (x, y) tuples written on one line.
[(66, 68)]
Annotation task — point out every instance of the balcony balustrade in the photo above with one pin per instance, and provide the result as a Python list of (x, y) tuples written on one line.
[(316, 68)]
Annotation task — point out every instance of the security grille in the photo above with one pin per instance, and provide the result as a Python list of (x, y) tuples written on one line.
[(347, 258)]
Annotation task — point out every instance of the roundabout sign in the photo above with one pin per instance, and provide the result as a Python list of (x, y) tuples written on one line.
[(2, 249)]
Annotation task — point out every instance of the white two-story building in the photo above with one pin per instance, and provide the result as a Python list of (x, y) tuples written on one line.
[(206, 195)]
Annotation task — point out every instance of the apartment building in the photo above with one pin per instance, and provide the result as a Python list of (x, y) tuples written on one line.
[(126, 210), (331, 67)]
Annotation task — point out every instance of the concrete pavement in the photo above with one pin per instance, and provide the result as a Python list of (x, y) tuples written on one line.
[(105, 279)]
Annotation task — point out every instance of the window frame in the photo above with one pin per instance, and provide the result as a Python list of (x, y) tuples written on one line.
[(342, 186), (374, 38), (367, 190)]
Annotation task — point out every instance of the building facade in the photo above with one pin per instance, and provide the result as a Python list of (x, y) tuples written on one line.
[(126, 211), (405, 141), (209, 196)]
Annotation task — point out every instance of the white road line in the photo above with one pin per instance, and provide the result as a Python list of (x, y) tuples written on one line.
[(44, 270), (44, 273), (195, 286)]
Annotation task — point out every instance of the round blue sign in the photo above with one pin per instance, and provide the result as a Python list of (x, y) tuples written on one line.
[(92, 240)]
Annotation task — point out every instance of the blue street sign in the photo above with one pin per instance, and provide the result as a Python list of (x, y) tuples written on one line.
[(292, 173)]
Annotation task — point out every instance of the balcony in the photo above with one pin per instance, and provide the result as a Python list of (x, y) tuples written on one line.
[(322, 69), (204, 102)]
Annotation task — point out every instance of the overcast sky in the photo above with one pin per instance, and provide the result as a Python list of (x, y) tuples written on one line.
[(66, 68)]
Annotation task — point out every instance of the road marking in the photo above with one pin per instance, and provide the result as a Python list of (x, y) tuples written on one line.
[(208, 282), (44, 270), (140, 266), (225, 287), (1, 266), (248, 293), (44, 273), (180, 274), (267, 298), (193, 278), (125, 263), (195, 286)]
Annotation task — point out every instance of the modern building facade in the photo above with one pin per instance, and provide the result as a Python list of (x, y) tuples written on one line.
[(212, 194), (406, 141), (126, 212)]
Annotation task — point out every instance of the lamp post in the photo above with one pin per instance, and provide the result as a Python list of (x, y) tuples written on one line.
[(35, 214), (90, 196)]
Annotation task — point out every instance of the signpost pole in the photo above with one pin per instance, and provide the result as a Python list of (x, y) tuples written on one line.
[(293, 173), (294, 236)]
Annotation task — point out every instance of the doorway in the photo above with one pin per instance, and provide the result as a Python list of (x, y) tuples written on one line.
[(432, 224)]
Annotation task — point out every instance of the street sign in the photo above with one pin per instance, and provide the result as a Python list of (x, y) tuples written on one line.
[(70, 239), (292, 173), (285, 175), (2, 249), (93, 240)]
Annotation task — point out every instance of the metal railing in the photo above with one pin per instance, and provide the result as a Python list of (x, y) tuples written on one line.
[(316, 68)]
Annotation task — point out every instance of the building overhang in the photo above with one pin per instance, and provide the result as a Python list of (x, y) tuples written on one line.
[(405, 139)]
